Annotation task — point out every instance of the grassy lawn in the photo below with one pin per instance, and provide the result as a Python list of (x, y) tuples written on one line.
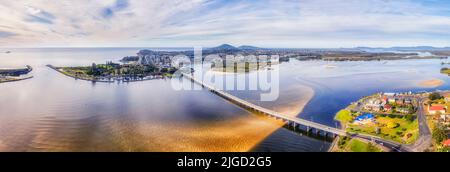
[(76, 72), (360, 146), (344, 116), (398, 129), (346, 144)]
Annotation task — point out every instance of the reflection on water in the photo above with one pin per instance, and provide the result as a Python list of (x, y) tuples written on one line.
[(52, 112)]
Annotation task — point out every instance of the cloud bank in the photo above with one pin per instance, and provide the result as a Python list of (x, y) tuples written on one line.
[(265, 23)]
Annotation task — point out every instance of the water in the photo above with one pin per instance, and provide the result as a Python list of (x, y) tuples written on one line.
[(52, 112)]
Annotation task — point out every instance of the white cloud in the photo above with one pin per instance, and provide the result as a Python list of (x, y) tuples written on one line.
[(271, 23)]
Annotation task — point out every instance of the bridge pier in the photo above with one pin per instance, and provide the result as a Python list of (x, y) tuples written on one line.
[(308, 129), (317, 131)]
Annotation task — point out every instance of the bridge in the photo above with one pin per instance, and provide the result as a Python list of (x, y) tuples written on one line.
[(293, 121)]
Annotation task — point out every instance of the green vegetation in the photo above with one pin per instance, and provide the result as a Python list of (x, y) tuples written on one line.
[(342, 143), (445, 71), (346, 144), (392, 125), (439, 134), (359, 146), (395, 128), (435, 96), (410, 117), (240, 67), (344, 116), (109, 70)]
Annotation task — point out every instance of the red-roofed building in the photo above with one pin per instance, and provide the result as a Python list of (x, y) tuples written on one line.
[(433, 109), (387, 107), (446, 143), (384, 99)]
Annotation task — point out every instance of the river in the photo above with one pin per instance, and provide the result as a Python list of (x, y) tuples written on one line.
[(52, 112)]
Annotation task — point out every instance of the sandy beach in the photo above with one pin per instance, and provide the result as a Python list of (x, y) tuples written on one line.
[(432, 83)]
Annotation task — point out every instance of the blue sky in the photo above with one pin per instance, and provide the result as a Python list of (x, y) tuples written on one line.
[(184, 23)]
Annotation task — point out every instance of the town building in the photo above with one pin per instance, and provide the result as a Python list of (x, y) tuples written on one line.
[(364, 119), (433, 109), (446, 142), (390, 94), (387, 107), (403, 110)]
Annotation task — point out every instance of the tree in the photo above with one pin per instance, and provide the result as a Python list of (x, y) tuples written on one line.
[(439, 133), (434, 96), (371, 147), (437, 115), (377, 130), (409, 117), (392, 125)]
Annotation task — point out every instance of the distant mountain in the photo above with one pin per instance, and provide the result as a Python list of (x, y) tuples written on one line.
[(230, 48), (248, 47), (224, 47), (145, 52)]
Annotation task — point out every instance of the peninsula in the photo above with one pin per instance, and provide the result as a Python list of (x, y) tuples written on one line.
[(15, 74)]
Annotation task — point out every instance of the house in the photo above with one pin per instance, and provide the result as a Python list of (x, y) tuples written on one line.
[(390, 94), (391, 100), (408, 101), (364, 119), (384, 99), (374, 104), (433, 109), (403, 110), (446, 142), (399, 101), (387, 107), (447, 97)]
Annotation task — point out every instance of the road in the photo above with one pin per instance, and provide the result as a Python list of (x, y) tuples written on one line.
[(394, 146), (425, 139)]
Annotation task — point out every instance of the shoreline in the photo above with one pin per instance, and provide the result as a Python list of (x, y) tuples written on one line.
[(16, 79), (85, 79), (22, 76), (408, 126), (102, 81)]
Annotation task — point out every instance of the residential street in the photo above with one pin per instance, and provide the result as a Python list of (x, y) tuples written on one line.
[(425, 139)]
